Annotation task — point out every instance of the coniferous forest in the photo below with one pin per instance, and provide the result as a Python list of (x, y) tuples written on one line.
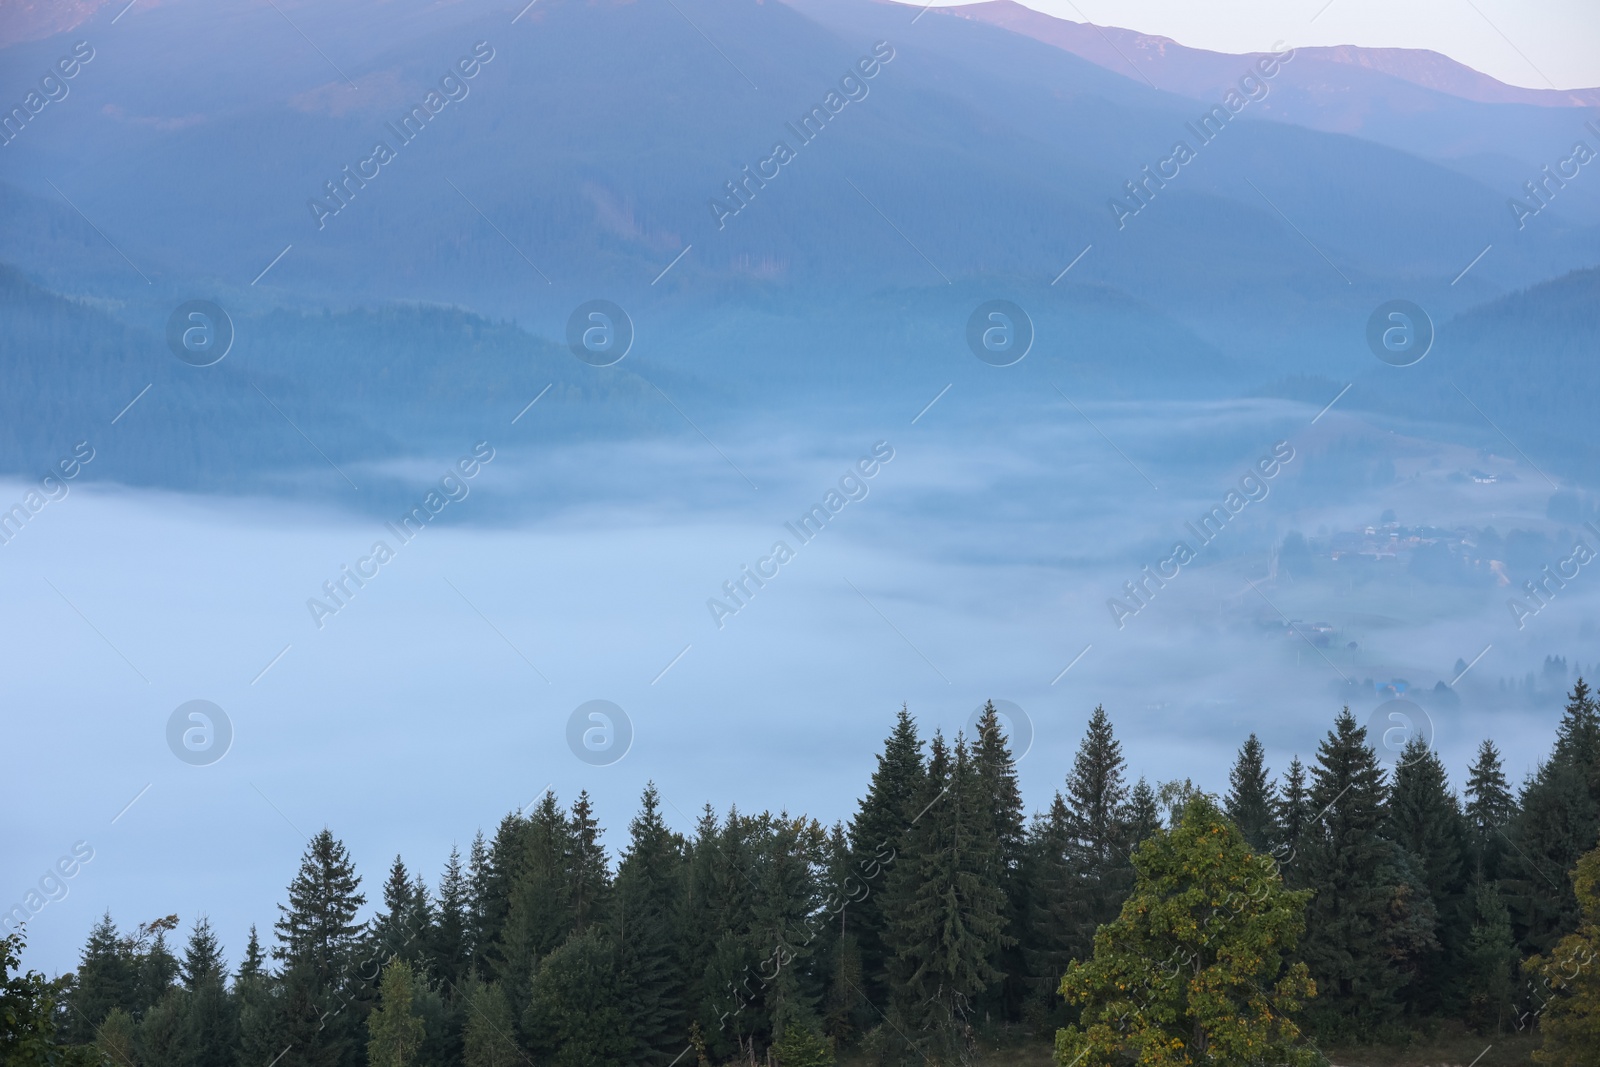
[(1332, 902)]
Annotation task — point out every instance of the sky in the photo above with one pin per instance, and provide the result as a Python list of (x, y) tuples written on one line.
[(1539, 44)]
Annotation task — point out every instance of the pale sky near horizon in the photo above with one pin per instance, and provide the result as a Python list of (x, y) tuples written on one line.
[(1541, 44)]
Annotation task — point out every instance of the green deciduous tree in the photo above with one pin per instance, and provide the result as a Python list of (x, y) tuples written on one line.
[(394, 1029), (1197, 968)]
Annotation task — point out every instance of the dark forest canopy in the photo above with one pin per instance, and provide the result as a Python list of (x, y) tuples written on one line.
[(939, 916)]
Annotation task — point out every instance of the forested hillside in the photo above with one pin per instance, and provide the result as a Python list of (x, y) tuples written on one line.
[(940, 915)]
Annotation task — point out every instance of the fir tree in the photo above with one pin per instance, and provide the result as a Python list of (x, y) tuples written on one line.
[(589, 871), (876, 840), (1144, 813), (1097, 853), (451, 947), (106, 976), (1250, 802), (210, 1024), (1342, 858), (997, 778), (1490, 809), (1294, 814), (1052, 922), (539, 913), (320, 1007), (402, 929), (641, 925), (1488, 961), (1425, 819), (953, 920)]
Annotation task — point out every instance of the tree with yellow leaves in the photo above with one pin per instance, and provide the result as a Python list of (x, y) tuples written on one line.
[(1567, 996), (1196, 970)]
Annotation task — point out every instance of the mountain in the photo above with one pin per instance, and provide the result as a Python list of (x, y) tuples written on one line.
[(1411, 99)]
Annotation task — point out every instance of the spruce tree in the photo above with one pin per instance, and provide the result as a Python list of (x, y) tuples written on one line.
[(402, 930), (997, 777), (876, 839), (1052, 922), (1294, 814), (643, 907), (1488, 961), (105, 981), (210, 1025), (1557, 821), (494, 880), (1250, 802), (1097, 833), (539, 911), (951, 922), (321, 1005), (451, 947), (1144, 813), (1342, 857), (1425, 819), (591, 876), (1490, 809)]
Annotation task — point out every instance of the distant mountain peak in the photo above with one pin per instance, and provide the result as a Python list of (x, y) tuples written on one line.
[(1171, 66)]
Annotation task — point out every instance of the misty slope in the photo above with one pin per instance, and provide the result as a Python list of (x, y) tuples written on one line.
[(1526, 360), (363, 386)]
